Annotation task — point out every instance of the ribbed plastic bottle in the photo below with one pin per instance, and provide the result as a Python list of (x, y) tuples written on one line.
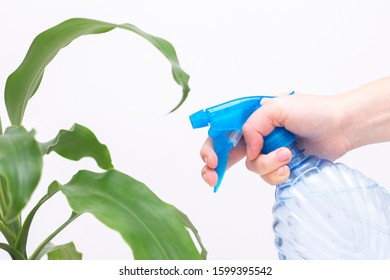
[(329, 211), (324, 210)]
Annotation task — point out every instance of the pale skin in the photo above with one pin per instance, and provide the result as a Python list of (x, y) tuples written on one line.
[(326, 126)]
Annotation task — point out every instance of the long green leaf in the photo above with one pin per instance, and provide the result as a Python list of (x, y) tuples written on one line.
[(152, 228), (20, 166), (7, 233), (79, 142), (15, 255), (22, 84), (66, 251)]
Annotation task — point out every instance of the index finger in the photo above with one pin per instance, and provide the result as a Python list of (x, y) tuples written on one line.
[(209, 156)]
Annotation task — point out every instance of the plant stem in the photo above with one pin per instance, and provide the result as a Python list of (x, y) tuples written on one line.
[(15, 254), (21, 241), (15, 225), (9, 235), (41, 246)]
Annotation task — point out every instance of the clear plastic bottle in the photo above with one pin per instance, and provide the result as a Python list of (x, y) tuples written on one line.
[(329, 211)]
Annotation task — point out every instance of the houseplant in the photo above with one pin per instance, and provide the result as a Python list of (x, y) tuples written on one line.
[(152, 228)]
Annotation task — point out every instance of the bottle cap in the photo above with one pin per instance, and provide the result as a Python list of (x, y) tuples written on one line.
[(279, 137)]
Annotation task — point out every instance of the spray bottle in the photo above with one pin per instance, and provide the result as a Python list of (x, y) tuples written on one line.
[(323, 210)]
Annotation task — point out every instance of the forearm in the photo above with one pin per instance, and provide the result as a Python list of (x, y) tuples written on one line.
[(365, 113)]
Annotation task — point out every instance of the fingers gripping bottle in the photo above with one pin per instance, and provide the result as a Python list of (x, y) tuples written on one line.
[(324, 210)]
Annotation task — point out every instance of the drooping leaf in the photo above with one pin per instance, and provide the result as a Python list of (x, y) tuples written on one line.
[(22, 84), (20, 166), (67, 251), (79, 142), (152, 228), (191, 227)]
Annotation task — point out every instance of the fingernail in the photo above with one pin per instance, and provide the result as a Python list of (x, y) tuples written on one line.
[(205, 178), (282, 170), (206, 160), (283, 155)]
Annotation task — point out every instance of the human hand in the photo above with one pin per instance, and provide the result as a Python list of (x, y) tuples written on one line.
[(315, 120)]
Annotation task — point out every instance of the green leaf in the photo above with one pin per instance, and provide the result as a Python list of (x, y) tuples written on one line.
[(152, 228), (20, 166), (191, 227), (64, 252), (7, 233), (79, 142), (15, 255), (22, 84)]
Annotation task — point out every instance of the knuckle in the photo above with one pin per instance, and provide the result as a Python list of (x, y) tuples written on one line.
[(274, 179), (270, 178), (259, 165), (265, 164), (249, 165), (247, 128), (203, 170), (267, 178)]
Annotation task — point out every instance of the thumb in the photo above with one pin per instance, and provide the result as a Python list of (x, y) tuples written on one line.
[(261, 123)]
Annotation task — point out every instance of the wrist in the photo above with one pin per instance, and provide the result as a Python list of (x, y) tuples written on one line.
[(365, 114), (344, 117), (350, 120)]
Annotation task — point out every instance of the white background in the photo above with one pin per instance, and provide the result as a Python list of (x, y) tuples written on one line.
[(118, 85)]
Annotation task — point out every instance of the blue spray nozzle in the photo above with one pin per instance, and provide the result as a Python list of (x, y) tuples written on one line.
[(226, 121), (199, 119)]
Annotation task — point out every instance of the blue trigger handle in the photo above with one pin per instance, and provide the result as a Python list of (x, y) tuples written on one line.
[(222, 146), (226, 121)]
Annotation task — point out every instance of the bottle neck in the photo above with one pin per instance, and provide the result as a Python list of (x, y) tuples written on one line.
[(297, 156)]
